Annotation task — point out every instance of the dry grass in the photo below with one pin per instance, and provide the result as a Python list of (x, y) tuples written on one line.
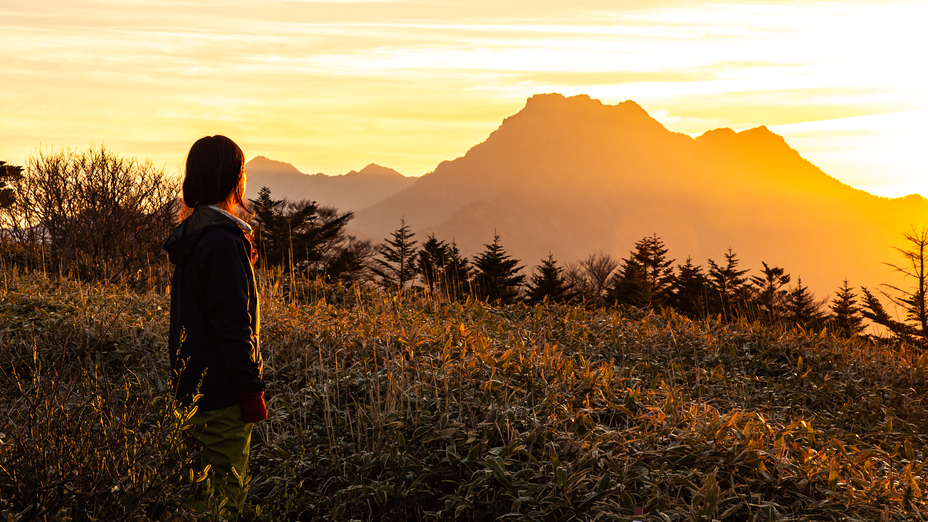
[(89, 431), (402, 408)]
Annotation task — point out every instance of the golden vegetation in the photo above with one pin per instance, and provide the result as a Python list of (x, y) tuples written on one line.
[(402, 408)]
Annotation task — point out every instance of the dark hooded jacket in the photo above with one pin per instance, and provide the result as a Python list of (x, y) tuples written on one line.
[(213, 336)]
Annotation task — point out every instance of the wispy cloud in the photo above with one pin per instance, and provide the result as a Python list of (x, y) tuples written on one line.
[(326, 84)]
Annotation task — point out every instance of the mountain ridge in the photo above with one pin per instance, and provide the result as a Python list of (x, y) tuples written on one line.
[(574, 176), (352, 191)]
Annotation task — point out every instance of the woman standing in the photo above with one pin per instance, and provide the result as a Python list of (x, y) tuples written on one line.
[(213, 337)]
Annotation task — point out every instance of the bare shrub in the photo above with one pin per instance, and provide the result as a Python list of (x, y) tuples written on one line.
[(92, 212), (590, 276)]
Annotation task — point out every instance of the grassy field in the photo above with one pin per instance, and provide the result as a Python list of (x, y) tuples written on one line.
[(401, 408)]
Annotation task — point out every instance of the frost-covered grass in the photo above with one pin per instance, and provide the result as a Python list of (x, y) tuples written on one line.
[(401, 408)]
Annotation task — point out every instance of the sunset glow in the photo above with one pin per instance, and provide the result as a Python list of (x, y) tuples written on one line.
[(332, 86)]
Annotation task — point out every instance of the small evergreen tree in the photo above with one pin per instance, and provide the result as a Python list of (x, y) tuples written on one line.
[(658, 270), (350, 261), (645, 278), (769, 292), (801, 308), (874, 311), (728, 285), (845, 314), (690, 290), (271, 227), (300, 235), (430, 263), (456, 275), (497, 278), (343, 256), (397, 265), (548, 284), (630, 285), (915, 267), (913, 300)]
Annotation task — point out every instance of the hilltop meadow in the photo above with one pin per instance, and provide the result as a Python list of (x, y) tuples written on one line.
[(388, 406), (415, 384)]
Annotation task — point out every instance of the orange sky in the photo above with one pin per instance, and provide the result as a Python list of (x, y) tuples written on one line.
[(332, 86)]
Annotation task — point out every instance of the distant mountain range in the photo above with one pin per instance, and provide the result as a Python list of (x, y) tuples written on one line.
[(352, 191), (573, 176)]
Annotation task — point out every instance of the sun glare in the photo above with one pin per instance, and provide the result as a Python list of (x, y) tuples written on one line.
[(855, 148)]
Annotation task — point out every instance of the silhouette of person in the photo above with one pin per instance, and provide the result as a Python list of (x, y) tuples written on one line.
[(213, 336)]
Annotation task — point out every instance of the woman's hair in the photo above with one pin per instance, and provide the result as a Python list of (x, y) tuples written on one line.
[(214, 171)]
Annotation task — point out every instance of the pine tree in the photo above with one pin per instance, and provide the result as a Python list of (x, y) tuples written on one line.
[(915, 267), (547, 283), (455, 279), (398, 263), (913, 300), (271, 227), (645, 278), (658, 270), (497, 278), (430, 263), (770, 293), (349, 263), (690, 290), (630, 285), (801, 308), (728, 284), (874, 311), (845, 314), (297, 234)]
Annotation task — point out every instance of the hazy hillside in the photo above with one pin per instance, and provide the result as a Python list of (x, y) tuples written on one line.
[(352, 191), (574, 176)]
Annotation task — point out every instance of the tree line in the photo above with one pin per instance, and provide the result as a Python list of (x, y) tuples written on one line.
[(105, 217), (646, 279)]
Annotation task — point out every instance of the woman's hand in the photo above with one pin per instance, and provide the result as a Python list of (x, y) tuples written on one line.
[(253, 408)]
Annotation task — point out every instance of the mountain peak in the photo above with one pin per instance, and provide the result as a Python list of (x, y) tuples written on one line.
[(550, 99), (715, 135), (755, 140), (552, 118), (269, 166), (762, 134), (582, 104), (374, 169), (351, 191)]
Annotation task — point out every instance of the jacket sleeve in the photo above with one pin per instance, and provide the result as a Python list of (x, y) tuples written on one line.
[(232, 307)]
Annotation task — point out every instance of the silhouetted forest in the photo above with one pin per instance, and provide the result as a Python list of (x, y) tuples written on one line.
[(646, 279)]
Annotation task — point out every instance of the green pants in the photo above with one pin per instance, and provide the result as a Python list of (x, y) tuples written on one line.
[(223, 441)]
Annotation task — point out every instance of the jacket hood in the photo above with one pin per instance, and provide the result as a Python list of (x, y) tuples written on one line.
[(181, 243)]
